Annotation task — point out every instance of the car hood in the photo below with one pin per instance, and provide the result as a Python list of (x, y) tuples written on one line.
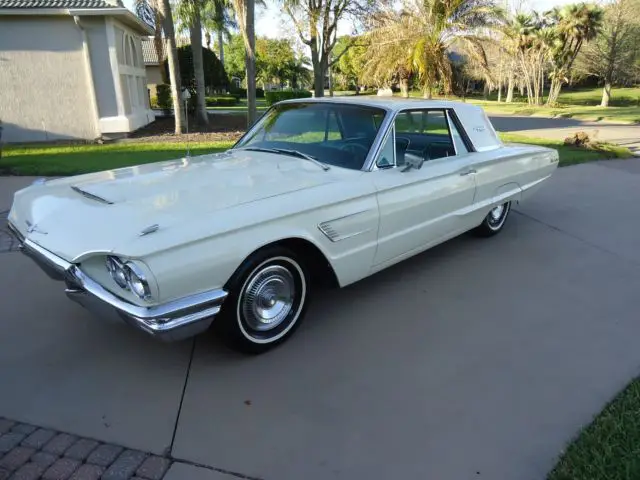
[(76, 216)]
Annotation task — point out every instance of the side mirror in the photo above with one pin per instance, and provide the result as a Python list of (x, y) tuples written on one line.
[(412, 161)]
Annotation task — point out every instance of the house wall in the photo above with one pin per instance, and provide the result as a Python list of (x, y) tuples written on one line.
[(44, 91), (154, 77), (100, 65)]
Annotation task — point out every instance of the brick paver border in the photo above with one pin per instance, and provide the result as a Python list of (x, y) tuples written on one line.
[(28, 452)]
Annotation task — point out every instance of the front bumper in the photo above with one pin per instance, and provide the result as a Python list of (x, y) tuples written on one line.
[(171, 321)]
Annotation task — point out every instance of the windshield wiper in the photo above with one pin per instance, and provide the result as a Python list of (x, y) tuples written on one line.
[(294, 153)]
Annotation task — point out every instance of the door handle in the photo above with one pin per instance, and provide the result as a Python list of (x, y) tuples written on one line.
[(468, 172)]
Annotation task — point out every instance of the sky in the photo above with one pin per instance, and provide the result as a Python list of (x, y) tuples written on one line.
[(272, 22)]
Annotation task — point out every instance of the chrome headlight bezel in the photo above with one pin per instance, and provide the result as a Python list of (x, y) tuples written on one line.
[(116, 269), (129, 276), (137, 281)]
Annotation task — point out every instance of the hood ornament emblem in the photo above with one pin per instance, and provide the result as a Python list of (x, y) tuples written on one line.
[(33, 228)]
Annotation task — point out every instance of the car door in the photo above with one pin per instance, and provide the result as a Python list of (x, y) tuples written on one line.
[(420, 207)]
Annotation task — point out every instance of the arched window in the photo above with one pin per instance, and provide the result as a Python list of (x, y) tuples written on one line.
[(132, 74)]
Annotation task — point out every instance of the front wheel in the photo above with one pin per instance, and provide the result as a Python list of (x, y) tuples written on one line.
[(494, 221), (268, 296)]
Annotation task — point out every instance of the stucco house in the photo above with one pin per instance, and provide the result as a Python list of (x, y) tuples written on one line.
[(71, 69)]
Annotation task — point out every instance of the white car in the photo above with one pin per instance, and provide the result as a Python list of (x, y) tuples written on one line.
[(318, 190)]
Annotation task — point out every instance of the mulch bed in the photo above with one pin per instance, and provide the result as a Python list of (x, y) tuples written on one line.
[(222, 127)]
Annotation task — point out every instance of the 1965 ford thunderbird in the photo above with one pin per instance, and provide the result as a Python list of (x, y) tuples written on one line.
[(318, 190)]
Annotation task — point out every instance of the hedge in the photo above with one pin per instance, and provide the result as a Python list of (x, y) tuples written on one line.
[(164, 99), (226, 101), (279, 95)]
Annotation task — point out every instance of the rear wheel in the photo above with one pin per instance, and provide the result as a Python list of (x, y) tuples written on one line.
[(494, 221), (268, 296)]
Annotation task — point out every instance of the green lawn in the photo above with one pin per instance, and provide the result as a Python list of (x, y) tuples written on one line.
[(579, 104), (609, 448), (570, 155), (75, 159)]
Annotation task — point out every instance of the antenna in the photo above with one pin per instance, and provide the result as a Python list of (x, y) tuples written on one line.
[(186, 95)]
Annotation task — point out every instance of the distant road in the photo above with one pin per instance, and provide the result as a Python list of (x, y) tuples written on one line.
[(560, 128)]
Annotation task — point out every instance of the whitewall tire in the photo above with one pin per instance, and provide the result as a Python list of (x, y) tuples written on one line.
[(268, 297), (494, 221)]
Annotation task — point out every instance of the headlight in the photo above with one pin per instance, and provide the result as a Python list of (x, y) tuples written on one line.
[(117, 271), (136, 281)]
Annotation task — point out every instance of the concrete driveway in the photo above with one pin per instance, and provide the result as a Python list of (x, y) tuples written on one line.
[(477, 359), (560, 128)]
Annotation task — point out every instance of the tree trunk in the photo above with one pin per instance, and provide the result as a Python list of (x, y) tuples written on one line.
[(509, 98), (318, 72), (207, 39), (174, 66), (404, 87), (250, 62), (554, 92), (330, 81), (485, 94), (198, 66), (606, 94), (500, 91), (221, 47)]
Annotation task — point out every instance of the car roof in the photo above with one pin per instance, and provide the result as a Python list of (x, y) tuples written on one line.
[(473, 118), (386, 102)]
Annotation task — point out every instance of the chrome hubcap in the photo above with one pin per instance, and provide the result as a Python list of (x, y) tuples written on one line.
[(497, 212), (268, 298)]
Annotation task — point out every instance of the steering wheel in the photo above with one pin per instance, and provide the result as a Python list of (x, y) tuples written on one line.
[(355, 149)]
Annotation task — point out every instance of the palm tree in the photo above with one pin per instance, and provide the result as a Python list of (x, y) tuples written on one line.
[(416, 40), (572, 26), (189, 13), (217, 18), (245, 16), (149, 11), (164, 9)]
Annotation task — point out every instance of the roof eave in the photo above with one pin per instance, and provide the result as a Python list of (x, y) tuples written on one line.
[(123, 14)]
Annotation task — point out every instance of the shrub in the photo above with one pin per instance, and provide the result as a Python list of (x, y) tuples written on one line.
[(163, 99), (221, 101), (242, 92), (279, 95), (578, 139)]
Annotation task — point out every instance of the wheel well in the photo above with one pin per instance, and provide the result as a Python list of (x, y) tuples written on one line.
[(322, 272)]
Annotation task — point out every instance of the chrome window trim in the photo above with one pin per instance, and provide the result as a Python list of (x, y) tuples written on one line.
[(387, 124), (391, 132)]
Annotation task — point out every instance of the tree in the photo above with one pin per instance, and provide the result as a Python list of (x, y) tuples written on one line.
[(164, 7), (351, 63), (274, 58), (612, 55), (316, 23), (234, 57), (189, 13), (215, 77), (528, 39), (572, 26), (415, 41), (245, 16), (149, 12), (217, 18)]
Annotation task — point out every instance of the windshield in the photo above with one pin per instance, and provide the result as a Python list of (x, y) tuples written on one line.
[(334, 134)]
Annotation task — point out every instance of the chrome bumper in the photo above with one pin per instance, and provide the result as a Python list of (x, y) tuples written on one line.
[(171, 321)]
